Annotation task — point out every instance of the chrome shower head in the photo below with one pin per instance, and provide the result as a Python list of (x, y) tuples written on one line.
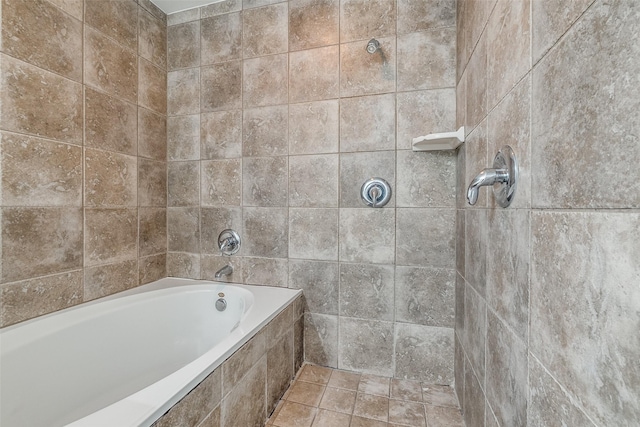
[(373, 46)]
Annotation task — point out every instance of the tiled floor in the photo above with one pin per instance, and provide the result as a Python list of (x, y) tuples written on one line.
[(323, 397)]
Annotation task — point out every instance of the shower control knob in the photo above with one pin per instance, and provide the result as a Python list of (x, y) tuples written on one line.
[(375, 192)]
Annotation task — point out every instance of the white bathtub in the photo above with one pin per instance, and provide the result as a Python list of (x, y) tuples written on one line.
[(124, 360)]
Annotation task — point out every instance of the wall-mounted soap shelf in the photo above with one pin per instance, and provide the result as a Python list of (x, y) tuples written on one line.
[(439, 141)]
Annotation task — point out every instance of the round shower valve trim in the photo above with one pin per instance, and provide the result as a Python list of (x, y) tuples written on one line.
[(375, 192)]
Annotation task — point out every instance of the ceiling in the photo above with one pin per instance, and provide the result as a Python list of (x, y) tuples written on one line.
[(173, 6)]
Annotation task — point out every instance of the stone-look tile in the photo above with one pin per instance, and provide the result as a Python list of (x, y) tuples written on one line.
[(221, 135), (359, 244), (152, 268), (315, 374), (152, 87), (305, 172), (419, 15), (152, 231), (426, 179), (183, 265), (246, 404), (366, 291), (425, 237), (152, 135), (279, 369), (366, 346), (368, 123), (338, 400), (362, 73), (406, 390), (210, 264), (266, 271), (154, 10), (476, 244), (510, 123), (584, 270), (313, 23), (213, 419), (183, 92), (374, 384), (250, 4), (264, 181), (109, 279), (476, 84), (356, 168), (213, 221), (476, 159), (372, 407), (266, 232), (434, 67), (474, 400), (321, 339), (183, 137), (40, 241), (110, 235), (507, 370), (313, 234), (221, 87), (298, 341), (264, 30), (425, 296), (344, 379), (407, 413), (264, 131), (363, 19), (116, 19), (183, 183), (423, 112), (110, 179), (357, 421), (424, 353), (602, 123), (462, 54), (41, 34), (265, 81), (196, 405), (221, 182), (183, 230), (461, 102), (295, 415), (184, 16), (459, 374), (306, 393), (110, 124), (461, 177), (460, 242), (152, 39), (477, 15), (313, 127), (508, 47), (238, 364), (319, 282), (280, 325), (459, 304), (152, 183), (31, 298), (475, 331), (438, 416), (110, 67), (549, 404), (183, 45), (221, 38), (38, 102), (326, 418), (314, 74), (508, 268), (225, 6), (37, 172), (72, 7)]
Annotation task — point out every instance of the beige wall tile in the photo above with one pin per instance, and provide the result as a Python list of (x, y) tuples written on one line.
[(279, 369), (356, 168), (366, 346), (183, 137), (476, 244), (221, 182), (367, 291), (319, 283), (426, 179), (264, 30), (183, 230), (184, 16), (110, 124), (154, 10), (221, 38), (427, 60), (110, 179), (183, 45), (321, 339), (474, 400), (152, 87), (425, 296), (313, 234), (183, 183), (43, 35), (419, 15), (314, 74), (37, 172), (266, 232), (108, 279), (362, 73), (264, 131), (359, 244), (221, 135), (152, 135), (363, 19), (368, 123), (313, 23), (221, 87), (183, 92), (305, 173), (313, 127), (264, 181), (423, 112), (184, 265), (111, 235), (72, 7), (424, 353), (265, 271), (117, 19), (220, 8), (40, 103), (246, 404), (211, 264), (152, 183), (152, 38), (152, 268), (265, 81), (475, 333), (476, 85), (213, 221), (426, 237), (152, 232)]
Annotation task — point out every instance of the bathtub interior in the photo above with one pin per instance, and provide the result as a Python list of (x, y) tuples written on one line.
[(88, 358)]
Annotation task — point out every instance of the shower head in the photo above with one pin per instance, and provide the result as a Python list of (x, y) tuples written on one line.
[(373, 46)]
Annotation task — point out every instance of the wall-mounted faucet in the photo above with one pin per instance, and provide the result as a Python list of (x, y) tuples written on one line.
[(227, 270), (503, 176)]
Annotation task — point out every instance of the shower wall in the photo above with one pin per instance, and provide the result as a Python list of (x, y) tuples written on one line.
[(547, 290), (83, 151), (276, 117)]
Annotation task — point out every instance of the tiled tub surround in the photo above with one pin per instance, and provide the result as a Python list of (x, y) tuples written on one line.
[(276, 116), (130, 378), (547, 296), (83, 151)]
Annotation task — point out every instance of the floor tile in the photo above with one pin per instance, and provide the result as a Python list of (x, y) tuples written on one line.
[(315, 374), (295, 415), (406, 390), (326, 418), (439, 395), (366, 422), (370, 406), (441, 416), (338, 400), (407, 413), (305, 393), (373, 384), (344, 379)]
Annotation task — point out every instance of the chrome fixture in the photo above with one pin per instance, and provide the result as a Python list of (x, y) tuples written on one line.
[(503, 176), (229, 242), (375, 192), (227, 270), (221, 304), (373, 46)]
